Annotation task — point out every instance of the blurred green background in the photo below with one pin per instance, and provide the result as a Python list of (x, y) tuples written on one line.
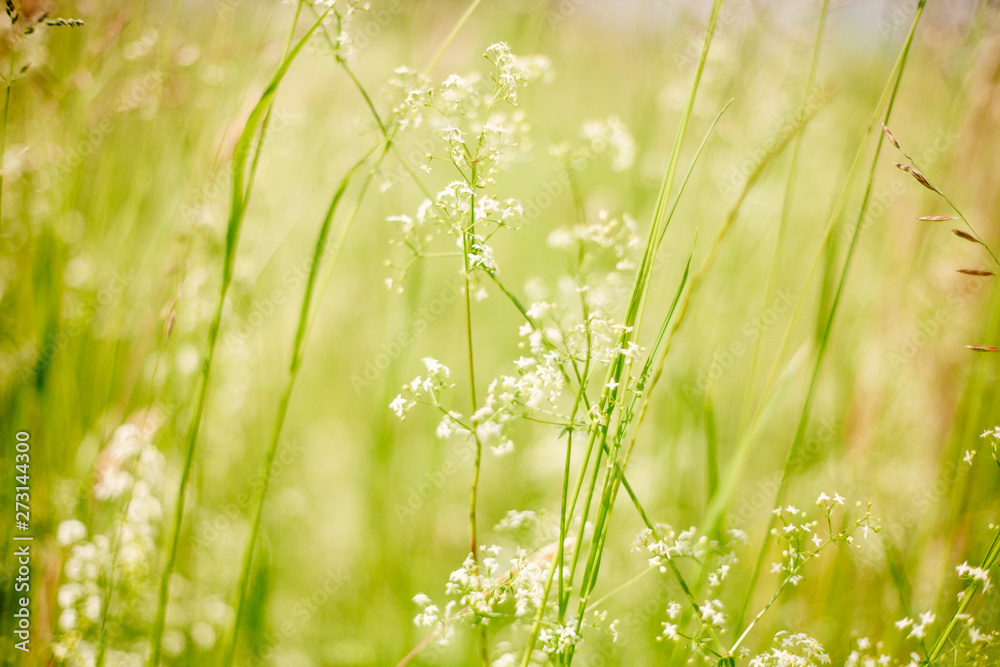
[(117, 172)]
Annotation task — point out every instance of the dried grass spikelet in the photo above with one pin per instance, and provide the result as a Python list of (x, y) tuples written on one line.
[(966, 236), (29, 12), (975, 272), (982, 348), (936, 218), (920, 178), (890, 137)]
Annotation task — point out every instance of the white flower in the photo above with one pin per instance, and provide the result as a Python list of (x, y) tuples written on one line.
[(71, 531), (399, 406), (669, 632), (975, 636), (67, 620)]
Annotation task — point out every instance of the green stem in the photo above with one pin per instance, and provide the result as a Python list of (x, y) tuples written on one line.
[(298, 350), (786, 206), (3, 131), (240, 197), (895, 78), (988, 562)]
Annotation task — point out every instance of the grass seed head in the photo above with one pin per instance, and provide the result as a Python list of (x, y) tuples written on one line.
[(890, 137), (965, 235), (920, 178)]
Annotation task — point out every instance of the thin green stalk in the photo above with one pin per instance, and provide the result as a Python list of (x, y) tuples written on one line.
[(295, 365), (451, 37), (990, 560), (467, 241), (609, 397), (895, 79), (240, 195), (786, 206), (696, 282), (3, 131)]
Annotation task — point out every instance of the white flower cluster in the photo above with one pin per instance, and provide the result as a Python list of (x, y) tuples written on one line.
[(993, 436), (511, 72), (121, 560), (560, 639), (410, 96), (974, 574), (620, 235), (339, 27), (867, 655), (667, 544), (974, 647), (918, 628), (423, 389), (670, 629), (798, 532), (478, 589), (611, 132), (478, 138), (128, 470), (797, 650)]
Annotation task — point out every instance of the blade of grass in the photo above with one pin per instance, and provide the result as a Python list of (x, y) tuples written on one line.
[(894, 82), (295, 365), (786, 204), (239, 200)]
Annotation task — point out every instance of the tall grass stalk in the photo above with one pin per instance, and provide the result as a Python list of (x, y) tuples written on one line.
[(895, 80), (3, 130), (293, 371), (307, 317), (990, 560), (786, 205), (240, 197), (609, 397)]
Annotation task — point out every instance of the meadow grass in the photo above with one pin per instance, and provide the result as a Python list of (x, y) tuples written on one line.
[(722, 296)]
